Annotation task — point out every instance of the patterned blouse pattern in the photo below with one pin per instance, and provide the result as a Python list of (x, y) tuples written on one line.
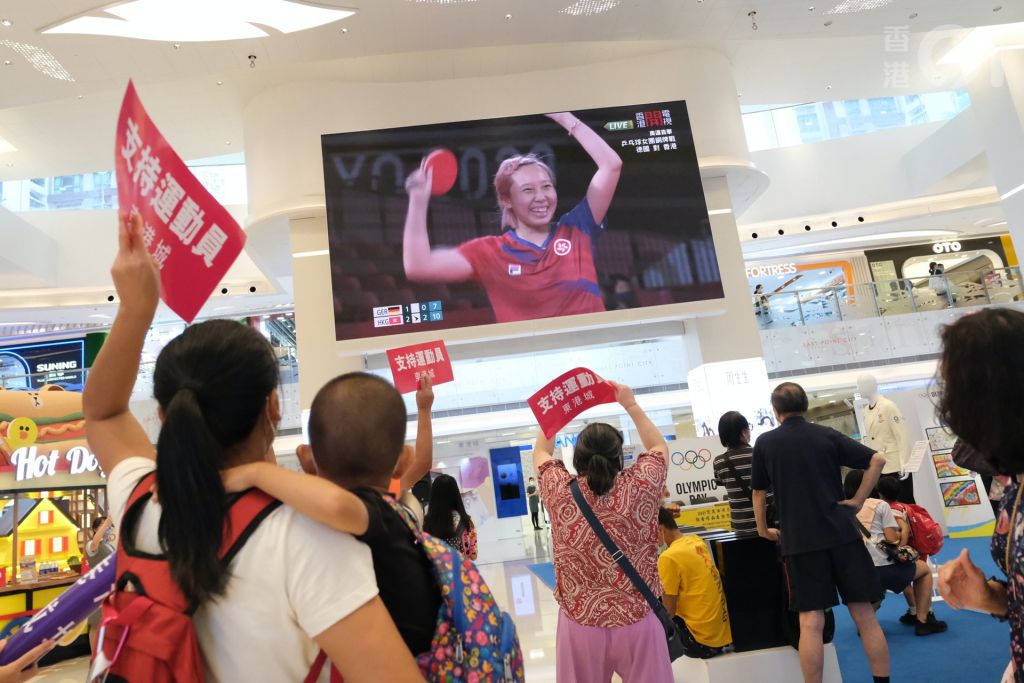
[(466, 542), (589, 586), (1006, 529)]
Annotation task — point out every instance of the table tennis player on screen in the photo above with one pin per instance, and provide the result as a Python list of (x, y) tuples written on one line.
[(537, 268)]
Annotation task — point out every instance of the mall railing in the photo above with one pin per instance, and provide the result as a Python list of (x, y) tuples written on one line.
[(888, 298)]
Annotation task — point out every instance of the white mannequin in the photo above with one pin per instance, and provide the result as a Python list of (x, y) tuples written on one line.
[(886, 431)]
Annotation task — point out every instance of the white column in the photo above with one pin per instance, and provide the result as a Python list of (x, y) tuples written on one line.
[(997, 97)]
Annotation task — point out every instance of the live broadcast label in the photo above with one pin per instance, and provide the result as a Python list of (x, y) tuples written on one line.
[(567, 396), (409, 364), (192, 238)]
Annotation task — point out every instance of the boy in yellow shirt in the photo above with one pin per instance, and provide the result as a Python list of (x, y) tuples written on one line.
[(693, 590)]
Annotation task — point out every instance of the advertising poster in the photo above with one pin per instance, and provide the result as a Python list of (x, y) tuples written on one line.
[(42, 442), (691, 475), (509, 487), (742, 385), (30, 366), (952, 495)]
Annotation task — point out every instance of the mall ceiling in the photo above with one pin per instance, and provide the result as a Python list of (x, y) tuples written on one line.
[(54, 122), (59, 94)]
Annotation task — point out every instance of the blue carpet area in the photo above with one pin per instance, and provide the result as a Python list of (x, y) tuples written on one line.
[(976, 647), (545, 571)]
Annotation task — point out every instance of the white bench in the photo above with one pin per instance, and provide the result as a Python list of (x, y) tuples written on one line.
[(775, 665)]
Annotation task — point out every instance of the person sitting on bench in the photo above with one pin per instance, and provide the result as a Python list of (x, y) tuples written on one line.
[(693, 590)]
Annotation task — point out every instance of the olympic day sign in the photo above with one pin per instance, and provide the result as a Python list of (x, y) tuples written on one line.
[(691, 474)]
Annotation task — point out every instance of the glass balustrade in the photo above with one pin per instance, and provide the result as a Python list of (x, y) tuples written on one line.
[(894, 297)]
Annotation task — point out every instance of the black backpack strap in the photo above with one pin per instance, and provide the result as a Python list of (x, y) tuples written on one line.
[(620, 557), (140, 496), (727, 458)]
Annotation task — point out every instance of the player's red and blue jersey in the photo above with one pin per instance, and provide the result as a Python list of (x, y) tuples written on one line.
[(525, 281)]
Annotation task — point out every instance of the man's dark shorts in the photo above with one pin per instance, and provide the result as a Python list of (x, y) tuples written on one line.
[(896, 577), (815, 577)]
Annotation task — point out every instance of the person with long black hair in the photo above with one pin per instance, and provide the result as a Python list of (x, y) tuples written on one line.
[(296, 586), (447, 518), (981, 371)]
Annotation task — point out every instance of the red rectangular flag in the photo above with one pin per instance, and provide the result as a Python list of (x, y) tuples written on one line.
[(192, 238), (568, 395), (410, 363)]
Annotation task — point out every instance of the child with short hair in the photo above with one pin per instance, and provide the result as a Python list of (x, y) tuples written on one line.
[(358, 452)]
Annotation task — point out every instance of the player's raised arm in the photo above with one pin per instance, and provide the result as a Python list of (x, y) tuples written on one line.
[(609, 164), (423, 264)]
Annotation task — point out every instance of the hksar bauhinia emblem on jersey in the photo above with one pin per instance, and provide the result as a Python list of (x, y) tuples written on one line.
[(515, 269), (562, 246)]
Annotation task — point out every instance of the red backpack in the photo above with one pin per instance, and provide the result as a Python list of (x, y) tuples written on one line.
[(148, 634), (925, 533)]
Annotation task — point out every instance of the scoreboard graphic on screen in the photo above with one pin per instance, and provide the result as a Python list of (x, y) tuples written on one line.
[(408, 314)]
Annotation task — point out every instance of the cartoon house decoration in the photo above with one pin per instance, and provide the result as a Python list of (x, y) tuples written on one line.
[(45, 531)]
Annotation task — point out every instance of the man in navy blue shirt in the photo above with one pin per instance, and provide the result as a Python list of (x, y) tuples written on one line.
[(822, 546)]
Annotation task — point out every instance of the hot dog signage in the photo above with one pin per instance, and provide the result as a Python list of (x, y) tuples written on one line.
[(42, 441)]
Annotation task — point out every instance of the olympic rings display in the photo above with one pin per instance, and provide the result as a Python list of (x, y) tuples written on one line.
[(691, 459)]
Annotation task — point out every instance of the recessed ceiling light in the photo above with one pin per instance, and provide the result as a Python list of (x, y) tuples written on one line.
[(9, 164), (227, 142), (828, 86), (8, 62), (6, 22), (344, 30), (41, 60), (997, 8), (199, 20), (508, 16), (811, 8), (828, 23), (913, 16), (79, 97), (854, 6), (220, 82), (588, 8), (177, 46)]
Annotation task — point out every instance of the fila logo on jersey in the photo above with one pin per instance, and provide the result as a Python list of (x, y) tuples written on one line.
[(562, 246), (515, 269)]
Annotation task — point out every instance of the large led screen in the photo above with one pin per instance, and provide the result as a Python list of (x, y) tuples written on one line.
[(500, 220)]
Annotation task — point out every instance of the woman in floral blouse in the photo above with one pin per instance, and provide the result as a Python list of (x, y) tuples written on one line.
[(605, 625), (982, 371)]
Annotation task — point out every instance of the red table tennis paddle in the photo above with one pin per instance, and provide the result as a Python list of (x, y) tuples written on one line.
[(445, 169)]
